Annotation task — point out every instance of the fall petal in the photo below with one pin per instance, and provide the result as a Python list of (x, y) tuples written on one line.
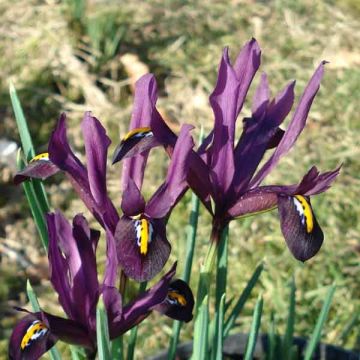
[(142, 247), (299, 226)]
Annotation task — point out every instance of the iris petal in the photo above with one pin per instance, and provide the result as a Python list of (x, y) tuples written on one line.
[(299, 226), (179, 302), (40, 167), (30, 339), (141, 266)]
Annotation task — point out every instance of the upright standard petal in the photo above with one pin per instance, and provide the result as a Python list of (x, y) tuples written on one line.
[(299, 226), (73, 270), (96, 147), (140, 138), (246, 65), (169, 192), (296, 125), (132, 202), (259, 131), (223, 101), (62, 156)]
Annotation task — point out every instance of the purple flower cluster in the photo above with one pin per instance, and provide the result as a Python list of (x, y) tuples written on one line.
[(225, 175)]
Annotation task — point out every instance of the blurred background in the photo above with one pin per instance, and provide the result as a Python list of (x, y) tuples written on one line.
[(83, 55)]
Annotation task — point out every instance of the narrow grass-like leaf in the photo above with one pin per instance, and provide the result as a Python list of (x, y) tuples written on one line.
[(134, 330), (255, 325), (77, 353), (200, 345), (287, 342), (27, 146), (221, 280), (54, 353), (190, 245), (117, 348), (220, 330), (102, 332), (35, 208), (25, 137), (272, 337), (316, 335), (230, 322)]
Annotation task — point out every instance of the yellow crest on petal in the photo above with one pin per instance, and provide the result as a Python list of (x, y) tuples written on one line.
[(35, 331), (42, 156), (304, 209), (140, 132)]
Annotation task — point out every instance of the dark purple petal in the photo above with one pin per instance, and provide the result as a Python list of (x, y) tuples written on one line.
[(38, 169), (140, 308), (30, 339), (245, 67), (261, 98), (70, 331), (62, 156), (259, 131), (169, 192), (113, 304), (275, 140), (139, 142), (73, 266), (223, 101), (96, 147), (299, 226), (141, 254), (179, 302), (254, 201), (296, 125), (111, 268), (132, 202), (315, 183)]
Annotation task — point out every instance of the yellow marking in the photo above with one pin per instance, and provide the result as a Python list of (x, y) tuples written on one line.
[(174, 295), (309, 217), (43, 156), (136, 131), (35, 327), (144, 237)]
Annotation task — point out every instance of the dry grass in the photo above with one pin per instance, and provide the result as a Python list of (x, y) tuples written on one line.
[(56, 66)]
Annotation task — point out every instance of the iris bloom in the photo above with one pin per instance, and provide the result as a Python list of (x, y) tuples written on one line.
[(140, 235), (143, 248), (228, 173), (73, 274)]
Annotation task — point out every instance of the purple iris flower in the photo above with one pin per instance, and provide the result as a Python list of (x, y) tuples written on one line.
[(228, 173), (73, 274), (143, 248)]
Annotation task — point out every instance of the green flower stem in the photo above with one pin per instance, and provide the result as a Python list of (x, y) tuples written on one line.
[(190, 245), (202, 304), (220, 294)]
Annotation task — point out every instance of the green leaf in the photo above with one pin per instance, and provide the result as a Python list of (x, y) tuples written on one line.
[(221, 279), (287, 343), (255, 325), (117, 348), (35, 208), (102, 332), (190, 245), (220, 330), (54, 353), (316, 335), (200, 344), (21, 124), (230, 322), (34, 190), (134, 330)]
